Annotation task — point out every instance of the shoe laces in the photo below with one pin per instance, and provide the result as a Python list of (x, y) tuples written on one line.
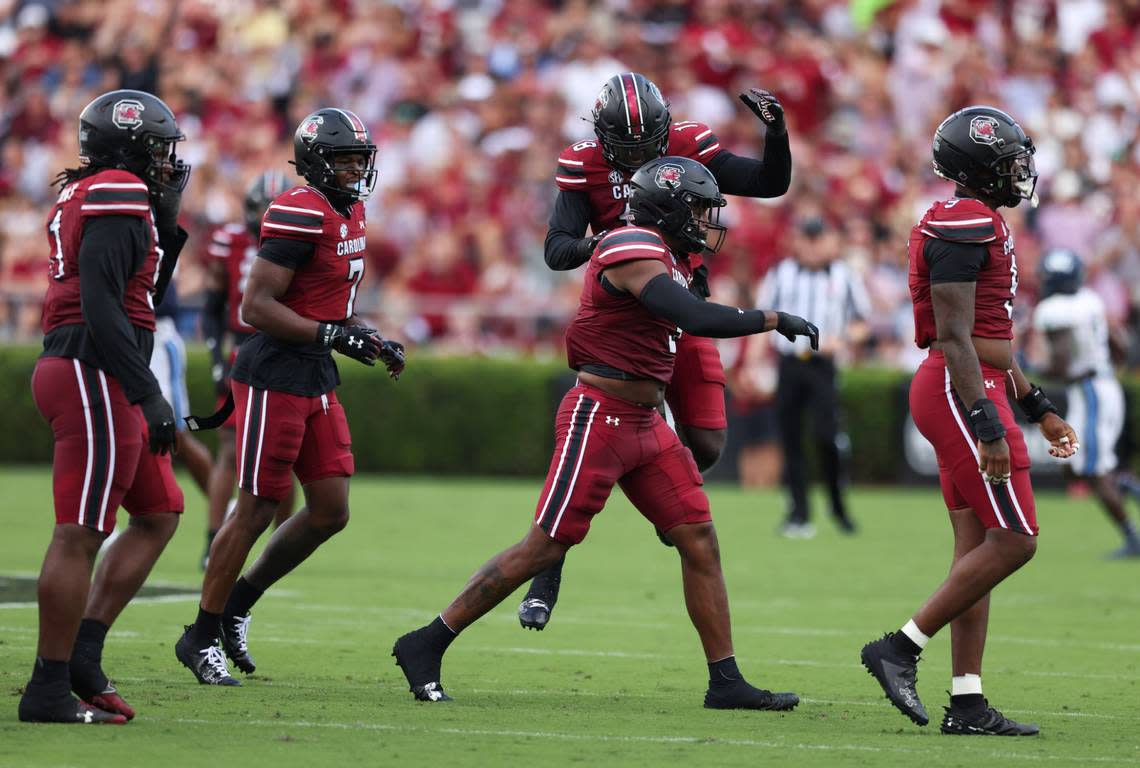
[(241, 631), (535, 602), (213, 664)]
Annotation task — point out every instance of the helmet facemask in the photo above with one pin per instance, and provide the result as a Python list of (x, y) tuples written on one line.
[(164, 171), (328, 162), (631, 152), (1021, 173)]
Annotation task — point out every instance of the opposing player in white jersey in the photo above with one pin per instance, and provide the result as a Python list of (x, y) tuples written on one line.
[(1072, 319)]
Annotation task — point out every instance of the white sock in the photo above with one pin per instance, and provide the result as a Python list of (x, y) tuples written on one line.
[(966, 684), (911, 630)]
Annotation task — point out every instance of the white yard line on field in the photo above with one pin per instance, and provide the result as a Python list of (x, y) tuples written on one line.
[(702, 741)]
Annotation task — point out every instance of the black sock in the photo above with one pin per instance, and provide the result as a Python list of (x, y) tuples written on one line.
[(92, 633), (903, 644), (242, 598), (724, 672), (51, 675), (438, 635), (207, 627), (967, 701)]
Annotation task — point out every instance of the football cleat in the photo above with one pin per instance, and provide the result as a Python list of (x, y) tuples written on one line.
[(235, 630), (65, 709), (421, 666), (1130, 549), (983, 720), (742, 695), (897, 673), (90, 684), (536, 607), (208, 664), (534, 613)]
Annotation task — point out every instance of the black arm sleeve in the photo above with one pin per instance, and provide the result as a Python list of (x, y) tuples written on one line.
[(112, 249), (954, 262), (214, 325), (665, 298), (748, 177), (171, 244), (287, 253), (566, 246)]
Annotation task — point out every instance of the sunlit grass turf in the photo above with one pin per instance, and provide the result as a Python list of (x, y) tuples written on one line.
[(617, 678)]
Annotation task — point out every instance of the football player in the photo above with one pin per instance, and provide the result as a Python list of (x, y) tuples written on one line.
[(113, 241), (232, 250), (1073, 320), (635, 304), (633, 126), (963, 279), (300, 298)]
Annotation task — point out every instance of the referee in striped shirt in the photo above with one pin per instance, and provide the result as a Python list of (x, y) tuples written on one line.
[(815, 283)]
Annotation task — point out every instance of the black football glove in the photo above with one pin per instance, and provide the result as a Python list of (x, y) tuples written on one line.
[(166, 205), (159, 418), (393, 357), (699, 285), (355, 341), (791, 326), (768, 108)]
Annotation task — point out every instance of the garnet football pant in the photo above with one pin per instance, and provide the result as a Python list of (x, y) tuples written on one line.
[(696, 392), (943, 419), (279, 435), (101, 460), (602, 440)]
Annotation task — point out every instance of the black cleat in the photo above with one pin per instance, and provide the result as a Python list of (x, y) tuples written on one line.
[(739, 694), (235, 629), (536, 607), (983, 720), (37, 707), (421, 666), (208, 664), (897, 673), (90, 684)]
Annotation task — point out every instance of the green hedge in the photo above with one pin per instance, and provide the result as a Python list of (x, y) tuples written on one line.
[(472, 415)]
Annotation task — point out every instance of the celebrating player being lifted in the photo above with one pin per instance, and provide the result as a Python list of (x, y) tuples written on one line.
[(300, 298), (963, 278), (633, 126), (634, 304), (114, 240)]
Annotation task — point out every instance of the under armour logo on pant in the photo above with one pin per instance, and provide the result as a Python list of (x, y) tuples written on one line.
[(613, 420)]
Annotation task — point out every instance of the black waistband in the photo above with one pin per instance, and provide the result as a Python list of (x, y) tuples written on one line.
[(609, 372)]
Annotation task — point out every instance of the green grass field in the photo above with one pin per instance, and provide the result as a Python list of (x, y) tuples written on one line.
[(618, 677)]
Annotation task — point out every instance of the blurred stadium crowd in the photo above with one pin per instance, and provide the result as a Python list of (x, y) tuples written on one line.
[(470, 101)]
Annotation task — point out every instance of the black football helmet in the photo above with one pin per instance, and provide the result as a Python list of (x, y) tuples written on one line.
[(984, 150), (137, 132), (631, 119), (260, 194), (681, 198), (324, 135), (1061, 272)]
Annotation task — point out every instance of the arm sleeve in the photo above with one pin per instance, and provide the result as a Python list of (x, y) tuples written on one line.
[(286, 253), (566, 247), (112, 249), (665, 298), (748, 177), (171, 245), (954, 262)]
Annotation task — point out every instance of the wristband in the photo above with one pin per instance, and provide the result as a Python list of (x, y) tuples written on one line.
[(985, 421), (326, 333), (1035, 404)]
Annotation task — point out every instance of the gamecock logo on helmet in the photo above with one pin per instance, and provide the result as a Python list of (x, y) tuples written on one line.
[(127, 113), (669, 176), (984, 130), (603, 99), (310, 127)]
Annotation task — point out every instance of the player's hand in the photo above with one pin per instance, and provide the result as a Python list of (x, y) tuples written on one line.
[(993, 461), (356, 341), (392, 355), (1062, 439), (159, 417), (768, 108), (166, 205), (791, 326), (595, 239)]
